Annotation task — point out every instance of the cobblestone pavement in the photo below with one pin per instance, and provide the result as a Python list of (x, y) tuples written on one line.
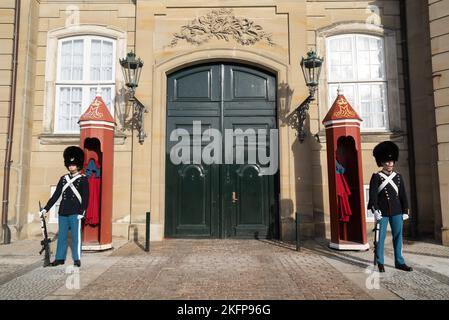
[(219, 269), (18, 259), (428, 281), (223, 269)]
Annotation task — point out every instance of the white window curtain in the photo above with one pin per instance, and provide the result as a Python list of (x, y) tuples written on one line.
[(356, 65), (84, 64)]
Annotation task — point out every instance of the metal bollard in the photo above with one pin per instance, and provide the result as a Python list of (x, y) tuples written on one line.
[(298, 248), (147, 233)]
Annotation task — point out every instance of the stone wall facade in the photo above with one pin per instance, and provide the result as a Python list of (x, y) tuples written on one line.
[(153, 29), (439, 35)]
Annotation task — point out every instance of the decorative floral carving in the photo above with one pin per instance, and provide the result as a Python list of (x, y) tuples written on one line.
[(223, 25)]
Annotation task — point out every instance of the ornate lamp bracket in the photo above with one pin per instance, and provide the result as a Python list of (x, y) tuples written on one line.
[(301, 115), (138, 117)]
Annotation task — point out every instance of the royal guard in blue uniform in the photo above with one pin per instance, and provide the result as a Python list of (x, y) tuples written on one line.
[(73, 190), (388, 201)]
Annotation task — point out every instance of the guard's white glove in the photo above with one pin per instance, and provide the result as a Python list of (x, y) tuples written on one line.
[(378, 215), (405, 216), (80, 216), (42, 213)]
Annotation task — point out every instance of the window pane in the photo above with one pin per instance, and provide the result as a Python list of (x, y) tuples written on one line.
[(72, 59), (64, 108), (341, 59), (334, 45), (347, 73), (375, 44), (376, 91), (66, 60), (101, 60), (365, 105), (106, 60), (107, 97), (363, 43), (375, 57), (332, 94), (69, 108), (92, 93), (76, 105), (78, 59), (380, 120), (363, 58), (370, 64), (334, 73), (364, 71), (95, 60), (346, 59), (365, 93), (373, 105), (334, 59), (376, 72), (345, 44)]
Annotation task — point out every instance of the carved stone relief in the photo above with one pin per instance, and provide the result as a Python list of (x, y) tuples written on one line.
[(221, 24)]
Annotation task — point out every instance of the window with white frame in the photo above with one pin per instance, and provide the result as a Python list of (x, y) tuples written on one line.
[(84, 64), (356, 64)]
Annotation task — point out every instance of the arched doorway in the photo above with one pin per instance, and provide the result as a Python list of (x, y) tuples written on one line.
[(210, 191)]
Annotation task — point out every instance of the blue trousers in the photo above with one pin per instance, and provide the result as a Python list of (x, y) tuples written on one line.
[(74, 224), (396, 223)]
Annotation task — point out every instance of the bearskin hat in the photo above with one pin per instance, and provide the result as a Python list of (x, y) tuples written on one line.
[(74, 155), (386, 151)]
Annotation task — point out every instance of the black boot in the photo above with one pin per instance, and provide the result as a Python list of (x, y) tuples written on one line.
[(404, 267), (77, 263), (57, 263), (381, 267)]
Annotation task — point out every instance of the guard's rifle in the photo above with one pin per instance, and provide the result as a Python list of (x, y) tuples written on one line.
[(376, 236), (46, 241)]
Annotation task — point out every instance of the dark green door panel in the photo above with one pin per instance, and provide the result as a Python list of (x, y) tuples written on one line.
[(191, 188), (195, 92), (220, 200), (250, 198), (248, 92)]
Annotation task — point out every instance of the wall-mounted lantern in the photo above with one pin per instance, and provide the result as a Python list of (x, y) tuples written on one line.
[(311, 68), (132, 68)]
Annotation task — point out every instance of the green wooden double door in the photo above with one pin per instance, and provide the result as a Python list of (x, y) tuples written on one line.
[(220, 199)]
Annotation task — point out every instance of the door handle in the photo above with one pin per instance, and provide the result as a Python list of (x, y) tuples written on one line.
[(234, 197)]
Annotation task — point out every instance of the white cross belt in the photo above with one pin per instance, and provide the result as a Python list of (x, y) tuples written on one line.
[(70, 184), (388, 180)]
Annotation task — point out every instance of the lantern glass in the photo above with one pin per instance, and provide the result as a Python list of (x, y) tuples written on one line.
[(131, 68), (311, 68)]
